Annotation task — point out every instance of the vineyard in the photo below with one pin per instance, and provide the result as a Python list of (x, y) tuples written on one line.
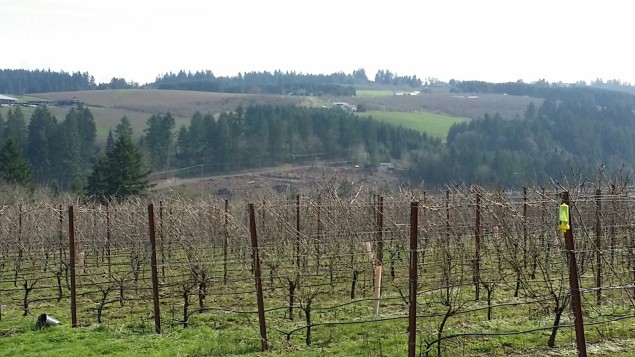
[(460, 272)]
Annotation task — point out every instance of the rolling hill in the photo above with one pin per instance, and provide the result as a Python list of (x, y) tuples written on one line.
[(424, 112)]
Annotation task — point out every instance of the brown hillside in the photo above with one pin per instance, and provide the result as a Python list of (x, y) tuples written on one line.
[(179, 103)]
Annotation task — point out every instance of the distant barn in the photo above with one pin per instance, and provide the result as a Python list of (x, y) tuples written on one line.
[(5, 101)]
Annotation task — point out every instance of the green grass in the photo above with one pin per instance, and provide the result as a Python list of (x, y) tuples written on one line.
[(435, 125), (373, 93)]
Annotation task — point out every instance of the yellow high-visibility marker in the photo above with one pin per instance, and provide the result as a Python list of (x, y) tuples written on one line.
[(564, 217)]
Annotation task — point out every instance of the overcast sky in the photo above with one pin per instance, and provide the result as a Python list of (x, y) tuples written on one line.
[(556, 40)]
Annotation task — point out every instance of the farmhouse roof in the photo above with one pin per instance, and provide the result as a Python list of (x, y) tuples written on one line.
[(4, 97)]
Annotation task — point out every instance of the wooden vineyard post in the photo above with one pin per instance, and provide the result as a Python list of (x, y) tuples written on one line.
[(412, 296), (377, 291), (576, 300), (155, 275), (377, 271), (258, 278), (71, 244)]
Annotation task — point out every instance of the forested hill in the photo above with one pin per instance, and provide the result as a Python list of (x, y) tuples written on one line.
[(20, 81), (63, 153), (575, 130)]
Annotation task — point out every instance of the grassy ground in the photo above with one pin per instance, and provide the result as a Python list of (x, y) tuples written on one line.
[(433, 124), (373, 93), (220, 334)]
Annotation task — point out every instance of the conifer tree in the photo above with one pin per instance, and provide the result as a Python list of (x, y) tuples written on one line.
[(120, 174), (14, 169)]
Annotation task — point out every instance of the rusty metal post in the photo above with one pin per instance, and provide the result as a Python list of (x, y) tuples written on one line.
[(61, 232), (155, 275), (598, 246), (412, 298), (574, 284), (71, 243), (258, 278)]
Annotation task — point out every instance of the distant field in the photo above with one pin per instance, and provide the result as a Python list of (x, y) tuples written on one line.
[(179, 103), (373, 93), (459, 105), (436, 125)]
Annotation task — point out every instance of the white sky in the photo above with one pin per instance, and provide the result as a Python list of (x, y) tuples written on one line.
[(558, 40)]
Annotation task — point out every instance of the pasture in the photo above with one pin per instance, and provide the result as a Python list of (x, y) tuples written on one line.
[(435, 125), (373, 93)]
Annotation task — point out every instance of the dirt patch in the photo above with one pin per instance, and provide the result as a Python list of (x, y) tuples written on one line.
[(282, 180)]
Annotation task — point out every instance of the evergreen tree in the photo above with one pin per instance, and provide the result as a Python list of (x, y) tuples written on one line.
[(65, 153), (110, 142), (14, 169), (197, 143), (41, 132), (183, 151), (119, 174), (15, 127), (159, 140), (222, 146), (84, 126), (123, 128)]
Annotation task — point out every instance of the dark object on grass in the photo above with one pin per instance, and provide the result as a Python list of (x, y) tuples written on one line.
[(45, 320)]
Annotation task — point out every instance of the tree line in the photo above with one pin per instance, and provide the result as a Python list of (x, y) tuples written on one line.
[(568, 134), (21, 81), (266, 135), (278, 82)]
